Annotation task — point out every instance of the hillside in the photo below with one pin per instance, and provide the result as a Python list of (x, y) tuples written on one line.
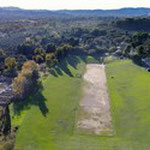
[(10, 12)]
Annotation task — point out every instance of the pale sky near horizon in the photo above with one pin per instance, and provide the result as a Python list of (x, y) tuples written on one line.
[(74, 4)]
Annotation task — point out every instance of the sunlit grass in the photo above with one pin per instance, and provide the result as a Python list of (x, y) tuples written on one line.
[(130, 106)]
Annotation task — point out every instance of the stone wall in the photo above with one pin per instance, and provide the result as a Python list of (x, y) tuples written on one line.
[(5, 122)]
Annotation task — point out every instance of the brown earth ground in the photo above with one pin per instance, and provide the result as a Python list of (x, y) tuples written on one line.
[(94, 113)]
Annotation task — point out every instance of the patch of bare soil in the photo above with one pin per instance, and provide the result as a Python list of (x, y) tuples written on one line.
[(94, 114)]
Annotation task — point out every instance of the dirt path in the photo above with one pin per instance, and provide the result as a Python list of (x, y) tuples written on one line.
[(94, 114)]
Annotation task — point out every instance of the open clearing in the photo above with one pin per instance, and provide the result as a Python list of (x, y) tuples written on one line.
[(130, 109), (94, 116)]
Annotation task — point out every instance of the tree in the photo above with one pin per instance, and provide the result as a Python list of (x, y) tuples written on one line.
[(2, 55), (39, 56), (11, 66), (39, 51), (51, 59), (97, 32), (21, 59), (63, 50), (2, 58), (127, 50), (112, 49), (26, 49), (27, 80), (50, 48)]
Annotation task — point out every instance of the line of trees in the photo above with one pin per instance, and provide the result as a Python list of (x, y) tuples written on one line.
[(139, 45), (135, 24)]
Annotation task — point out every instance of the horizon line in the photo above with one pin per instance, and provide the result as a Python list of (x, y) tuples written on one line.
[(42, 9)]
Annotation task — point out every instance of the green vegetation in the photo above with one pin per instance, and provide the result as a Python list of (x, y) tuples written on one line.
[(11, 66), (130, 104), (129, 91), (134, 24), (54, 112), (56, 42)]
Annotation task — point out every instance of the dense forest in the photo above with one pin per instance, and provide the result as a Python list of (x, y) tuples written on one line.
[(48, 40)]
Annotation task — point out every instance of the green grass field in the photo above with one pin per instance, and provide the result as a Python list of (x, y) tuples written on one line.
[(48, 119)]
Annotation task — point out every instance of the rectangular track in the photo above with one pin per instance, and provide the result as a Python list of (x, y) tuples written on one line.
[(94, 113)]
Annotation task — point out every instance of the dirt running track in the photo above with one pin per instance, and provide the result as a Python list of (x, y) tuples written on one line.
[(94, 114)]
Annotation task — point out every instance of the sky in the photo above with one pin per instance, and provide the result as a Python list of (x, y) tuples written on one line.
[(74, 4)]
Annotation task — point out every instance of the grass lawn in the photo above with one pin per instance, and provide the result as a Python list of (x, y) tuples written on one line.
[(48, 121)]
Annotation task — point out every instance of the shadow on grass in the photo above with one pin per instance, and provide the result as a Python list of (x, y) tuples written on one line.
[(98, 59), (53, 72), (136, 60), (72, 60), (36, 100), (62, 66)]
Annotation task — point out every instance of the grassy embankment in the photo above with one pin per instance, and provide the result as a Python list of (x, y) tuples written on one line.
[(48, 121)]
